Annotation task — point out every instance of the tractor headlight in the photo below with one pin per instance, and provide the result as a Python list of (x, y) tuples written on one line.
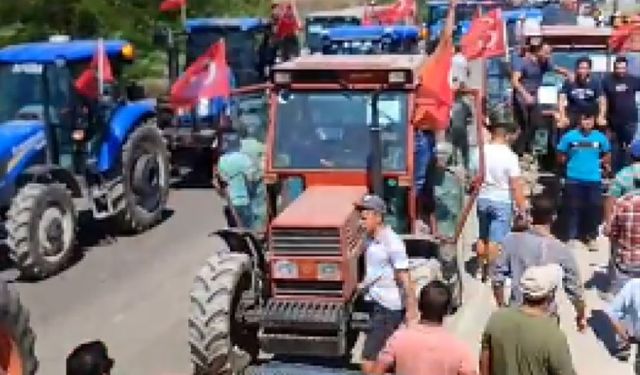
[(329, 271), (128, 52), (397, 77), (282, 77), (203, 107), (285, 269)]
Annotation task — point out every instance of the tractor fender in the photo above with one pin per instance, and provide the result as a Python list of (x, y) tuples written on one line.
[(244, 241), (48, 173), (16, 165), (123, 121)]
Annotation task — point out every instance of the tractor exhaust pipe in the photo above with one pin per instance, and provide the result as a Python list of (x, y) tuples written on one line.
[(376, 182)]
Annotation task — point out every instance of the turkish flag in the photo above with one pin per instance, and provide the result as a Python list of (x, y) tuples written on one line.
[(402, 11), (434, 96), (172, 5), (621, 36), (87, 83), (485, 38), (207, 78)]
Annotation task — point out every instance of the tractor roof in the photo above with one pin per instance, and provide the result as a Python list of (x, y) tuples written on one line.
[(372, 32), (571, 35), (49, 52), (354, 62), (244, 24)]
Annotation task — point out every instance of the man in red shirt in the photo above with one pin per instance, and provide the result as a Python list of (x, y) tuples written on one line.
[(427, 348), (286, 23)]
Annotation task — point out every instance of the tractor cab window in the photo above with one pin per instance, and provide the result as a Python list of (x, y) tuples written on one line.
[(241, 46), (330, 130), (21, 92)]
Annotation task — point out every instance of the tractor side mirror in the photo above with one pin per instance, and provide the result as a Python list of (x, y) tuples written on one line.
[(135, 92)]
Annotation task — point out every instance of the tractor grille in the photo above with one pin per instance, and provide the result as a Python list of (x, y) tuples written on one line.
[(308, 288), (305, 241)]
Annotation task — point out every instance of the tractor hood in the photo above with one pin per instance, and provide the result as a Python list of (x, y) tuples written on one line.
[(17, 134), (320, 207)]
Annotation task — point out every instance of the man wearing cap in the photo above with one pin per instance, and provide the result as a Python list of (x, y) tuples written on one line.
[(525, 339), (91, 358), (387, 283)]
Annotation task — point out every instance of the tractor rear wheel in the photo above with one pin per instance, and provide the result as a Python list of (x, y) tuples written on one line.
[(17, 354), (145, 178), (219, 343), (41, 226)]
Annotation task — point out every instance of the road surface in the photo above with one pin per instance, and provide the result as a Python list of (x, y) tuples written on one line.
[(133, 294)]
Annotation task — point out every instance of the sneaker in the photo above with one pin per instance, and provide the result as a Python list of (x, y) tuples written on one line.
[(605, 296)]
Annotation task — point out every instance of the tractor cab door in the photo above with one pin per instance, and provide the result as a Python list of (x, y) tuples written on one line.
[(72, 119)]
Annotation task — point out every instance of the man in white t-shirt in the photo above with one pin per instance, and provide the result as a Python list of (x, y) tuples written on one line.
[(502, 186), (459, 69)]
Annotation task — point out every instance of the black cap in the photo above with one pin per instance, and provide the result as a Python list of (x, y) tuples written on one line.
[(90, 358)]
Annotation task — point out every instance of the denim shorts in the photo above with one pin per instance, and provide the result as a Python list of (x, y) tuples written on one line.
[(384, 323), (494, 219)]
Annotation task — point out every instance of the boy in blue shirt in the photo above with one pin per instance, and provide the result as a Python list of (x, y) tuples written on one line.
[(586, 153)]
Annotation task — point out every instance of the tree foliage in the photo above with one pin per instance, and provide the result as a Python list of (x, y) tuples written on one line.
[(133, 20)]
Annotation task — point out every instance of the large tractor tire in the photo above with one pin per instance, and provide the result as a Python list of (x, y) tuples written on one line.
[(218, 342), (145, 179), (41, 226), (17, 340)]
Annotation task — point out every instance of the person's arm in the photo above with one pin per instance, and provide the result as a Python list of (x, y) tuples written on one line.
[(602, 104), (515, 183), (516, 76), (563, 149), (563, 120), (566, 73), (500, 271), (485, 351), (450, 22), (606, 155), (387, 356), (615, 192), (618, 309), (560, 362), (400, 263), (573, 286)]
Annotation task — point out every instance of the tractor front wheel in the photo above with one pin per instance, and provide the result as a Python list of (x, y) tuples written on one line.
[(17, 354), (145, 179), (219, 343), (41, 226)]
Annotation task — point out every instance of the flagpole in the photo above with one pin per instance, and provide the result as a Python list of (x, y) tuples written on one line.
[(183, 14), (101, 54)]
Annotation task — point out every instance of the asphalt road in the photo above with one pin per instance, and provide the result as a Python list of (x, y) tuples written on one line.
[(132, 293)]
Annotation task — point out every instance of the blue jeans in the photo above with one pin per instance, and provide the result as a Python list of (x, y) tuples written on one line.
[(623, 136), (494, 219), (423, 152), (245, 214), (584, 209)]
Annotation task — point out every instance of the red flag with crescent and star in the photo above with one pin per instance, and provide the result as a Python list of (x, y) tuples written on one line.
[(207, 78), (485, 38)]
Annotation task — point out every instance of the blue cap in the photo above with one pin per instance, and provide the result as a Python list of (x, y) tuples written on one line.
[(634, 149)]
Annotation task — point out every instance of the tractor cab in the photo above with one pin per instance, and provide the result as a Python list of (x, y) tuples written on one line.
[(372, 39), (71, 141), (243, 38), (339, 127), (37, 94), (317, 23), (434, 14)]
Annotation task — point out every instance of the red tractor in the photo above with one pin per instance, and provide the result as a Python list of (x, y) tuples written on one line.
[(339, 126), (17, 340)]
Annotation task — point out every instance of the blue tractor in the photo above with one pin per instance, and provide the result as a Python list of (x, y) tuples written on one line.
[(317, 23), (192, 135), (373, 39), (61, 152)]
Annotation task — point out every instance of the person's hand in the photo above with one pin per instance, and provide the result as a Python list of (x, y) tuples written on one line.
[(602, 121), (581, 323), (529, 99), (563, 122)]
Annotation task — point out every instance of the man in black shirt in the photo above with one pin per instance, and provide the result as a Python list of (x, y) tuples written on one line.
[(620, 90), (580, 94)]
